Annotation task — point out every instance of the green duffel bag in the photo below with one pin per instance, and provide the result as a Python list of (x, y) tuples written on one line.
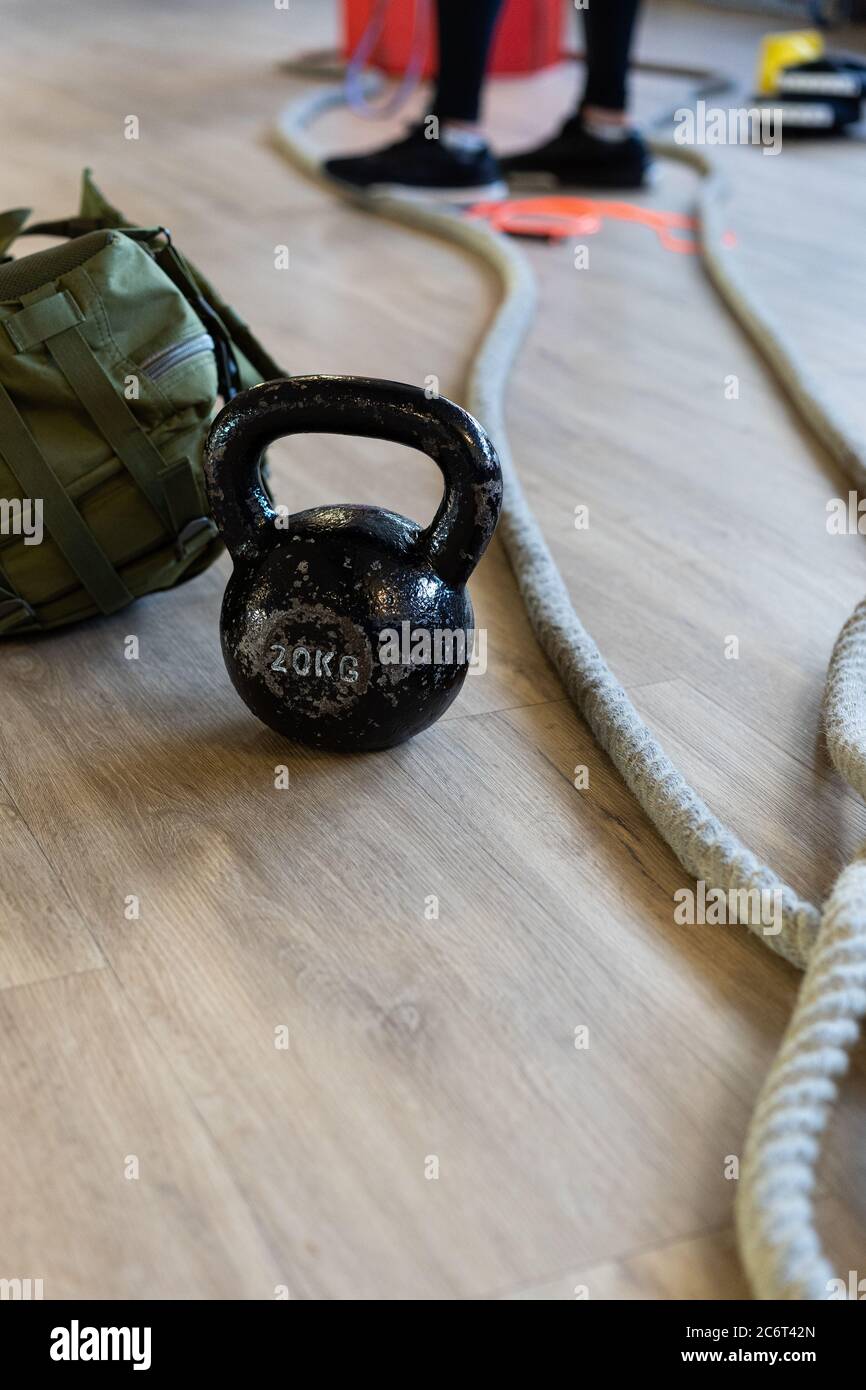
[(113, 351)]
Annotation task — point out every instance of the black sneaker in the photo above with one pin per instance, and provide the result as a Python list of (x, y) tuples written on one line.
[(574, 156), (416, 167)]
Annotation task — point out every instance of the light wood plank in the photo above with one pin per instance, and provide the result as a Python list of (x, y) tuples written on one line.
[(43, 934), (113, 1186)]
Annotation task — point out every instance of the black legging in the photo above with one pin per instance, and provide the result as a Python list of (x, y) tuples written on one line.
[(465, 33)]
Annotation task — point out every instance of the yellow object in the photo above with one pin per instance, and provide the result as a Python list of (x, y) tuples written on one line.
[(779, 51)]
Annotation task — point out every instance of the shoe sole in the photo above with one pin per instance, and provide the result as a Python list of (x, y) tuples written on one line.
[(544, 181), (483, 193)]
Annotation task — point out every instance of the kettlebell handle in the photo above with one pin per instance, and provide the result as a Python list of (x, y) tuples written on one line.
[(458, 535)]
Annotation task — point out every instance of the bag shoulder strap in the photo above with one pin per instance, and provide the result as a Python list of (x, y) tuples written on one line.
[(11, 224)]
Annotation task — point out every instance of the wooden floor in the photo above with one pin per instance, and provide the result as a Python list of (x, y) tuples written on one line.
[(307, 1168)]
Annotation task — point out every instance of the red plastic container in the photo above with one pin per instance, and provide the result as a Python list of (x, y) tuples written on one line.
[(528, 35)]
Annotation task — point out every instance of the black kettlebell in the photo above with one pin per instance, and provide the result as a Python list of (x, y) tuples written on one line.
[(324, 617)]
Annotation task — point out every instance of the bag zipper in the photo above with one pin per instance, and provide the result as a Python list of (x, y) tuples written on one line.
[(163, 361)]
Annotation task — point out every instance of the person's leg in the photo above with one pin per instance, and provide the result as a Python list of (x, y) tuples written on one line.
[(465, 30), (596, 146), (608, 31), (448, 157)]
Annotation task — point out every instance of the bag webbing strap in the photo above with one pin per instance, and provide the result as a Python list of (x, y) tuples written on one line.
[(52, 317), (68, 529), (178, 482), (14, 610), (97, 393), (42, 320)]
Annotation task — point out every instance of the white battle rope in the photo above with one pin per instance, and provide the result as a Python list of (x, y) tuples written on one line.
[(775, 1220)]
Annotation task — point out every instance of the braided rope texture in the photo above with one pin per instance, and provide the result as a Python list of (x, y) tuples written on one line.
[(845, 701), (778, 1242), (775, 1220)]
